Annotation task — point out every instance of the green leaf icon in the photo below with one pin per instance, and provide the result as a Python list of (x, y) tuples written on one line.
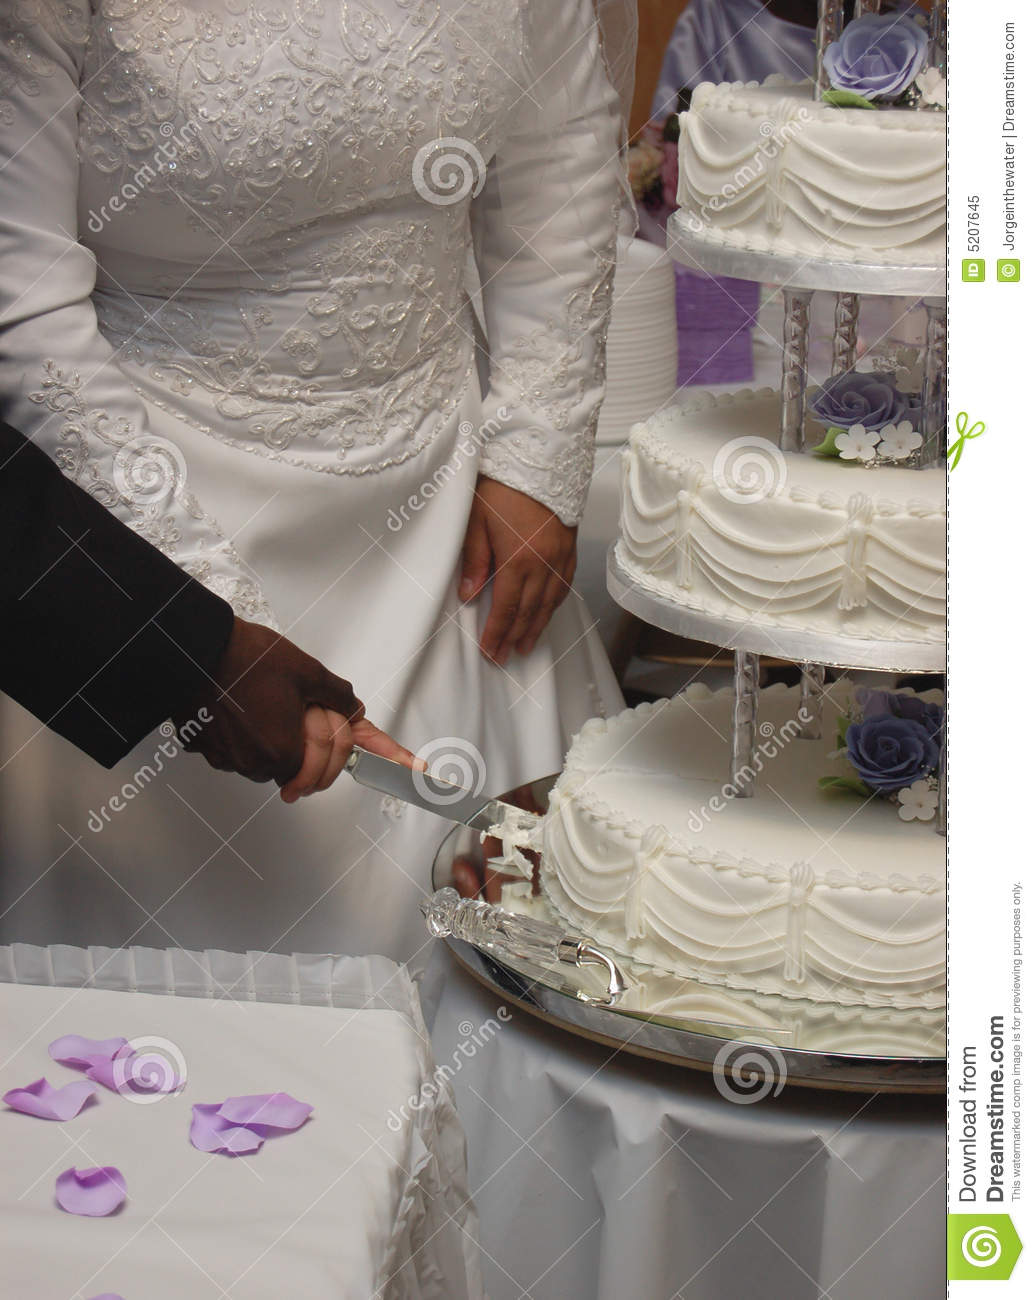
[(981, 1247)]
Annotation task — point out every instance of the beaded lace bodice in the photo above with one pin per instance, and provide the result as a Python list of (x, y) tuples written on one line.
[(272, 243)]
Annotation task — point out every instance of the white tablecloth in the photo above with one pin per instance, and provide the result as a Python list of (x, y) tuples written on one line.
[(599, 1176), (368, 1199)]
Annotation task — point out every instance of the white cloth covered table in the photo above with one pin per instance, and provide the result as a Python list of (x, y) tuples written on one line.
[(368, 1199), (600, 1176)]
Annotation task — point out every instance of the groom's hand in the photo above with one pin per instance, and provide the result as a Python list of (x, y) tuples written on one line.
[(531, 557), (277, 714)]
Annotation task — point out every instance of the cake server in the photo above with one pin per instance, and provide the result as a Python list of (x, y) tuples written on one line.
[(453, 802)]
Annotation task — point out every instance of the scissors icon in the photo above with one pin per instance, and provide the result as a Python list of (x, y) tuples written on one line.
[(956, 448)]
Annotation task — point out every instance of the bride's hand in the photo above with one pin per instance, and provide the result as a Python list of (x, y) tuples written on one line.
[(531, 557)]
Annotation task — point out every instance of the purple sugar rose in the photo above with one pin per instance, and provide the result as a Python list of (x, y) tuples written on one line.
[(878, 56), (890, 753), (856, 398), (881, 704)]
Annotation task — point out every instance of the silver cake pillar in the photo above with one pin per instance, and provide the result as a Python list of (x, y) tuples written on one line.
[(746, 711), (933, 385), (847, 321), (937, 36), (794, 368), (830, 14), (811, 701)]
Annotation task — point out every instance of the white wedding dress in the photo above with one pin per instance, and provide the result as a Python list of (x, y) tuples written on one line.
[(262, 357)]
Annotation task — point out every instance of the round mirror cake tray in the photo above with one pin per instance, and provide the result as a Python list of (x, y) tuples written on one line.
[(781, 643), (733, 1051), (711, 257)]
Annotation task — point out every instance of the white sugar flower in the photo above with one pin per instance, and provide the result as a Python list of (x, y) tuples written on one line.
[(898, 440), (918, 800), (857, 444), (932, 85)]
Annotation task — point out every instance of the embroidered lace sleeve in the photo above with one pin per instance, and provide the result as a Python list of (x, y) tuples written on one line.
[(60, 381), (545, 228)]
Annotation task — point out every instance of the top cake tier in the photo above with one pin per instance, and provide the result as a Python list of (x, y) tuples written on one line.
[(765, 169)]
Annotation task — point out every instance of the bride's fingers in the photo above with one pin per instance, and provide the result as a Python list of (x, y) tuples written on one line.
[(507, 600), (342, 735), (368, 736), (528, 611), (476, 558), (553, 594), (318, 744)]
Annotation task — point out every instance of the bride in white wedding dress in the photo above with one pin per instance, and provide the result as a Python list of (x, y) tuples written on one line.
[(261, 355)]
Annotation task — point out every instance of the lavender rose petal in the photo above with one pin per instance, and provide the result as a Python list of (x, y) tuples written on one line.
[(91, 1192), (42, 1100), (80, 1052)]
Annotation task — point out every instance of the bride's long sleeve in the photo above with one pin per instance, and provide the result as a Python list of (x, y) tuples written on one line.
[(545, 229), (60, 382)]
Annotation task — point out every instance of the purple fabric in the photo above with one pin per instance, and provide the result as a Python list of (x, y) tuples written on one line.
[(730, 40), (714, 320)]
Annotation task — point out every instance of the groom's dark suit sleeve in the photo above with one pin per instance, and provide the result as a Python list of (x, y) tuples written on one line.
[(101, 636)]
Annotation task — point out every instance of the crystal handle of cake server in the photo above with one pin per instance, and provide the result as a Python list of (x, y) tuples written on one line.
[(489, 926)]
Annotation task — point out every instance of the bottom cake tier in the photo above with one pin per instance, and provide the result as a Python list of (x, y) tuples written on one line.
[(814, 893)]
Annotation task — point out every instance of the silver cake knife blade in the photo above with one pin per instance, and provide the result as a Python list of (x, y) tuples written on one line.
[(466, 807)]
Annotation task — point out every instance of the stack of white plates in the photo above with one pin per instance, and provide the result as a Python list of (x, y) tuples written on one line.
[(641, 340)]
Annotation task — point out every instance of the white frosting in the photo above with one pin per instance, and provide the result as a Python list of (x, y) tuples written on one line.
[(519, 830), (717, 518), (768, 1018), (810, 894), (767, 168)]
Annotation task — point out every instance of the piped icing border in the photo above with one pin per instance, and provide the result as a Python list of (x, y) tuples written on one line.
[(647, 439), (718, 860)]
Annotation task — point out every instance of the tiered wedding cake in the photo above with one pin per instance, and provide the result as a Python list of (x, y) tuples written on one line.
[(799, 891), (717, 518), (768, 168), (781, 842)]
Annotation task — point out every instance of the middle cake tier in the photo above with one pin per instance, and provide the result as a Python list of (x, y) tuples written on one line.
[(802, 891), (718, 519)]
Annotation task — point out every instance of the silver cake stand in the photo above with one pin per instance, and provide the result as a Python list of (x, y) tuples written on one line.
[(760, 638), (557, 994), (711, 257)]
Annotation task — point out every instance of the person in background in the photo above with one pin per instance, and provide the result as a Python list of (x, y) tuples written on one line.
[(735, 40)]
